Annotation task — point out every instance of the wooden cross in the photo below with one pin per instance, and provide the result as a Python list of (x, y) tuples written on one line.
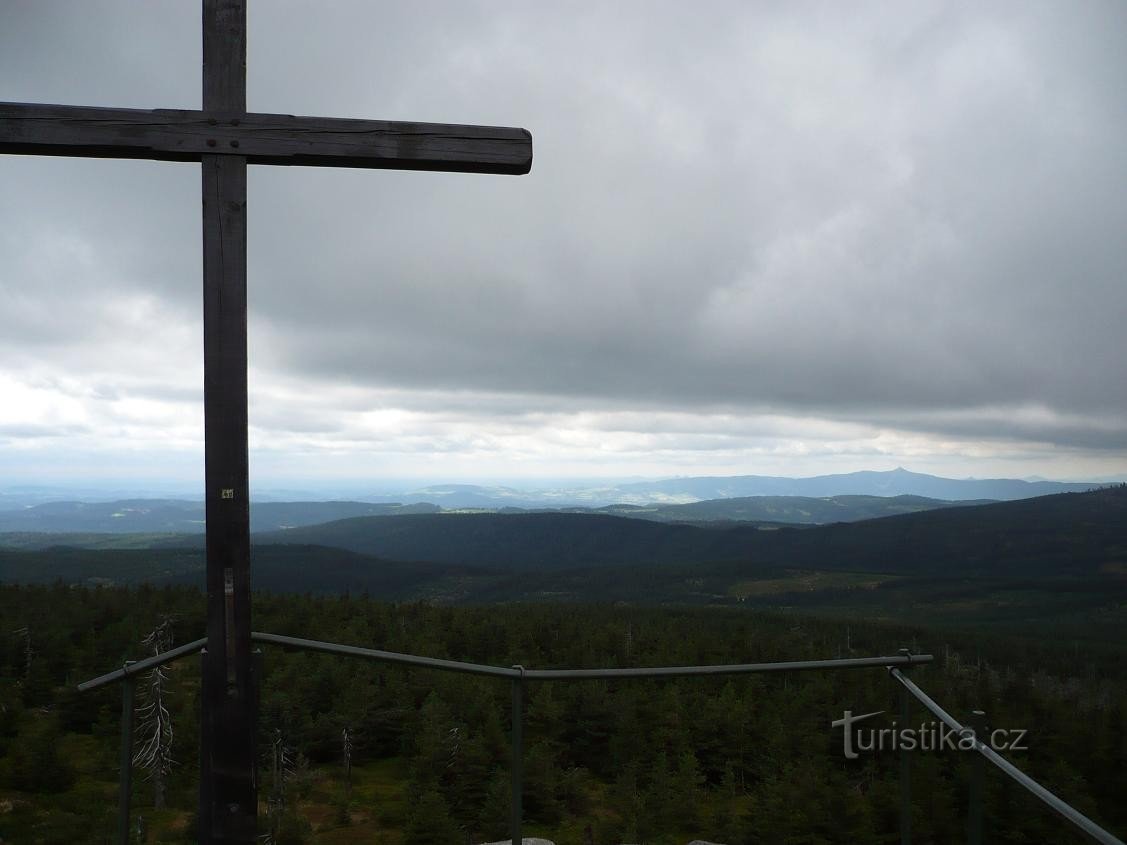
[(224, 138)]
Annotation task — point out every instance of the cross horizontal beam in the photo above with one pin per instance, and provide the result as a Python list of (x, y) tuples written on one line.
[(282, 139)]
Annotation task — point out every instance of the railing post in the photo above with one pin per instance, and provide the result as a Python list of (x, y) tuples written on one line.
[(516, 810), (256, 675), (905, 764), (205, 771), (977, 772), (125, 778), (256, 672)]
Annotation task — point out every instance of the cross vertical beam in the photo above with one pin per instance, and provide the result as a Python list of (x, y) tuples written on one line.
[(224, 139), (228, 787)]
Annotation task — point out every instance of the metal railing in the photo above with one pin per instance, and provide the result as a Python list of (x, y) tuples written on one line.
[(974, 809), (126, 676), (519, 676)]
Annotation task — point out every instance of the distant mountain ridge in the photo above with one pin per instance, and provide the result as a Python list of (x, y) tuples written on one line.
[(670, 491), (700, 499), (178, 516), (181, 516), (897, 482), (168, 524)]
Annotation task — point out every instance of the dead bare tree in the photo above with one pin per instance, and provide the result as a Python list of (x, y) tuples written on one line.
[(28, 652), (346, 739), (154, 742), (282, 769)]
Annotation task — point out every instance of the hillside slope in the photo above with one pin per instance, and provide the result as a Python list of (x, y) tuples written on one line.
[(1066, 551), (1066, 533), (280, 569), (522, 541), (798, 510)]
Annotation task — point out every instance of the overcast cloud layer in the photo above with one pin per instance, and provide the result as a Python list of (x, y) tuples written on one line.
[(757, 238)]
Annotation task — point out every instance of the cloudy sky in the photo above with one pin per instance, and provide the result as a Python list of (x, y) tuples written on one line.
[(779, 238)]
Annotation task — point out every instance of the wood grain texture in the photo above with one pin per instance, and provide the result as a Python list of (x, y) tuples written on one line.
[(228, 782), (225, 56), (228, 715), (279, 139), (224, 139)]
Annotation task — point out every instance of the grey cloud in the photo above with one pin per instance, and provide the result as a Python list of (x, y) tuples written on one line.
[(875, 214), (24, 431)]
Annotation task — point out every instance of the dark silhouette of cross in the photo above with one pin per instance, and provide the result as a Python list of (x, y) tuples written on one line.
[(224, 138)]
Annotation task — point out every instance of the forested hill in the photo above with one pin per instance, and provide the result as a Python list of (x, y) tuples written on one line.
[(277, 569), (1069, 533), (797, 510), (523, 541), (1059, 560)]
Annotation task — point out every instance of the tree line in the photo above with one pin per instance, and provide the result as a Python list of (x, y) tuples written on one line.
[(738, 759)]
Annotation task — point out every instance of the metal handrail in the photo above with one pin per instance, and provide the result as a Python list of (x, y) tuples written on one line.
[(136, 667), (1013, 772), (585, 674), (384, 656), (518, 675)]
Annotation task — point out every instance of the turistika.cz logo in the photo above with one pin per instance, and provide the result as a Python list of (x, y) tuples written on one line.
[(927, 736)]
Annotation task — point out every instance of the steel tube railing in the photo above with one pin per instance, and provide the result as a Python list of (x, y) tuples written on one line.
[(384, 656), (905, 773), (588, 674), (518, 675), (125, 776), (143, 665), (977, 776), (1063, 808), (722, 669), (516, 768)]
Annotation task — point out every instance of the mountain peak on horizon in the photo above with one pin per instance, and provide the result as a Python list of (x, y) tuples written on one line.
[(896, 482)]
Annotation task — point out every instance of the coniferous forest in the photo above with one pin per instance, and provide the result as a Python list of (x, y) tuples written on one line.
[(353, 751)]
